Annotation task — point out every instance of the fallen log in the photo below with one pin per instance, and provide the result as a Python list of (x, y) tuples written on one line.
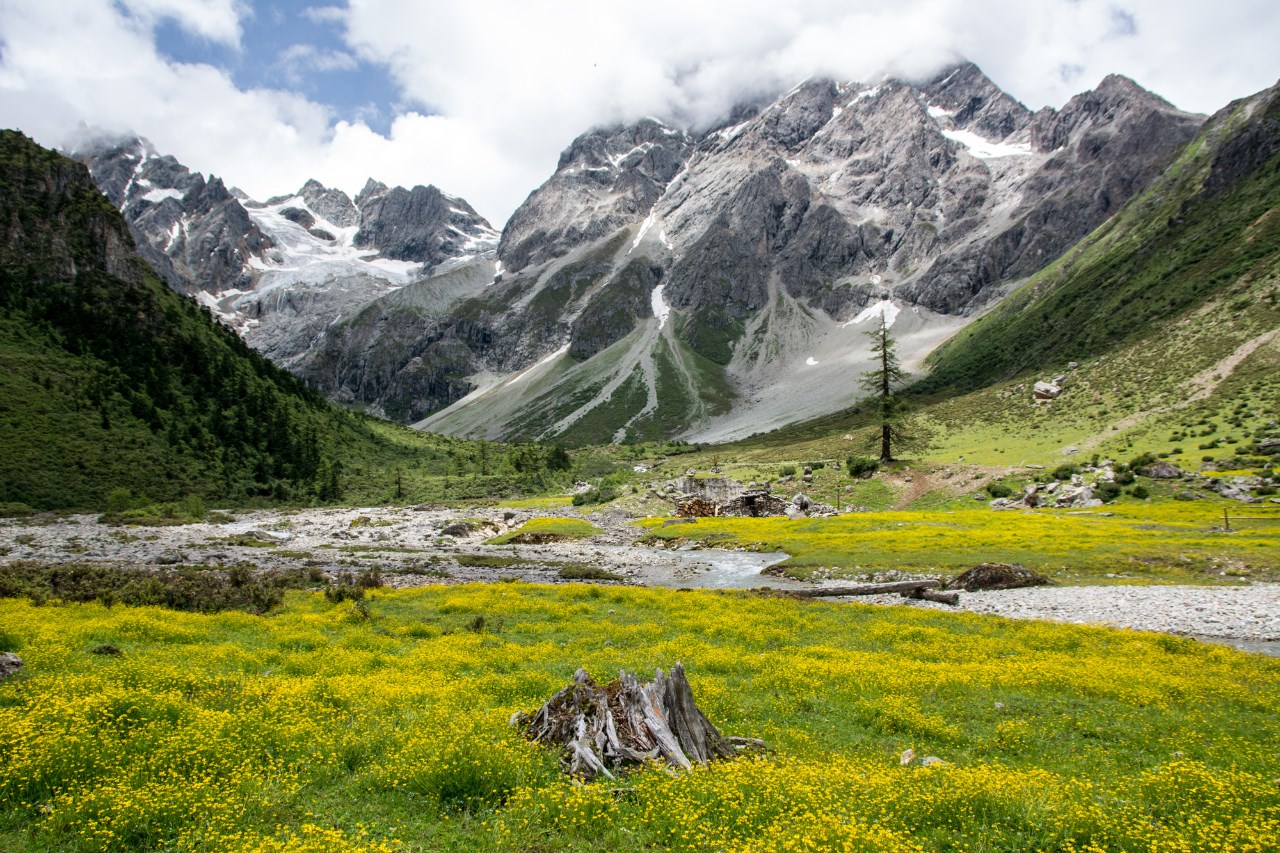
[(952, 598), (863, 589), (601, 729)]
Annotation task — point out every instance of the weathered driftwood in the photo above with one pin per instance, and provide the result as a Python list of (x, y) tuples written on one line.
[(952, 598), (863, 589), (625, 722)]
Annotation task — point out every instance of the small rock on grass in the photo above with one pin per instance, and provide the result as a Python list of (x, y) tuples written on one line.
[(9, 664)]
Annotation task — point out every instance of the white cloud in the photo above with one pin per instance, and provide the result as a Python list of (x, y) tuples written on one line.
[(297, 60), (216, 20), (498, 89)]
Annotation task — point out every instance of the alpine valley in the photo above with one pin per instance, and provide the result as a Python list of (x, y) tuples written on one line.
[(703, 284)]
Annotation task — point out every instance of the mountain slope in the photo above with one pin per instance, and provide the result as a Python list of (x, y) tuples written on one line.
[(109, 379), (770, 243), (1207, 226)]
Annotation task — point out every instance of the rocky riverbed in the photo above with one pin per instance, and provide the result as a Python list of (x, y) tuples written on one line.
[(416, 546)]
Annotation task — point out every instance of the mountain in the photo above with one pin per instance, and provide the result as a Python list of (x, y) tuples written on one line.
[(283, 271), (1208, 228), (712, 285), (109, 379)]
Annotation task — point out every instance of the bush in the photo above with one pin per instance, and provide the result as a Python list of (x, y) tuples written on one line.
[(1124, 478), (998, 490), (1141, 493), (1065, 472), (787, 471), (580, 572), (1108, 492), (1142, 461), (187, 589), (815, 466), (861, 466), (600, 495)]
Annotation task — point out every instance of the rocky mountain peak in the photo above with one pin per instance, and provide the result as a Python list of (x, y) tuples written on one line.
[(1117, 103), (332, 204), (194, 232), (605, 178), (792, 120), (974, 102), (372, 189), (422, 224)]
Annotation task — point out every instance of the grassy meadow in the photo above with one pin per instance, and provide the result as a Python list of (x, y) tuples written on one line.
[(336, 727), (1129, 542)]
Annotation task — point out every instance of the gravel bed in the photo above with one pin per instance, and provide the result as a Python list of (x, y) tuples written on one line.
[(1249, 612)]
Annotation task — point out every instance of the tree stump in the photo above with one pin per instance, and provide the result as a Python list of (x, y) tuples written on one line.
[(602, 729)]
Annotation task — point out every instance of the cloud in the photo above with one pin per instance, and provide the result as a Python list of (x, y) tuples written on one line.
[(298, 60), (492, 92), (215, 20)]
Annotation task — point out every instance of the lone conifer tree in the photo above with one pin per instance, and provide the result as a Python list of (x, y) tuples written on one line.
[(883, 381)]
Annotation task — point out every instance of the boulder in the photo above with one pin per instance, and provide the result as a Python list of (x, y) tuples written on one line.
[(998, 576), (9, 664), (1269, 446), (1046, 391), (1162, 471)]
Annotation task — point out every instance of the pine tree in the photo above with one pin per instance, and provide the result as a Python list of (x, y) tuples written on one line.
[(883, 382)]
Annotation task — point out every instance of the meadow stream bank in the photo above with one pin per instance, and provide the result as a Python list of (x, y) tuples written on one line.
[(430, 546)]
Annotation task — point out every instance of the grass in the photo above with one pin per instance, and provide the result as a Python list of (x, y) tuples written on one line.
[(546, 502), (381, 725), (1170, 541), (546, 530)]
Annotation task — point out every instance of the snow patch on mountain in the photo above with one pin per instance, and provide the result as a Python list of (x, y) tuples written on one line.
[(661, 309), (985, 149), (158, 195), (884, 309), (300, 257)]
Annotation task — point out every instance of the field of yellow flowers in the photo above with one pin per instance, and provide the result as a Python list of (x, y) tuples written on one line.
[(1157, 541), (330, 727)]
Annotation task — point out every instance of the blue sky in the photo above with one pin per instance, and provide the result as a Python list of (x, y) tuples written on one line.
[(299, 48), (479, 98)]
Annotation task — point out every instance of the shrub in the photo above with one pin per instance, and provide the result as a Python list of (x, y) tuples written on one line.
[(1142, 460), (599, 495), (1264, 491), (13, 509), (998, 490), (787, 471), (119, 500), (1124, 478), (188, 589), (815, 466), (1065, 472), (1142, 493), (581, 572), (1108, 492), (861, 466)]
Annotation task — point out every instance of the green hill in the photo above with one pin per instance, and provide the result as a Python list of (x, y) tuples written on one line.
[(110, 381)]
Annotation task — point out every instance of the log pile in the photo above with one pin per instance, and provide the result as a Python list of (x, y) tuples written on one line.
[(602, 729), (697, 508)]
